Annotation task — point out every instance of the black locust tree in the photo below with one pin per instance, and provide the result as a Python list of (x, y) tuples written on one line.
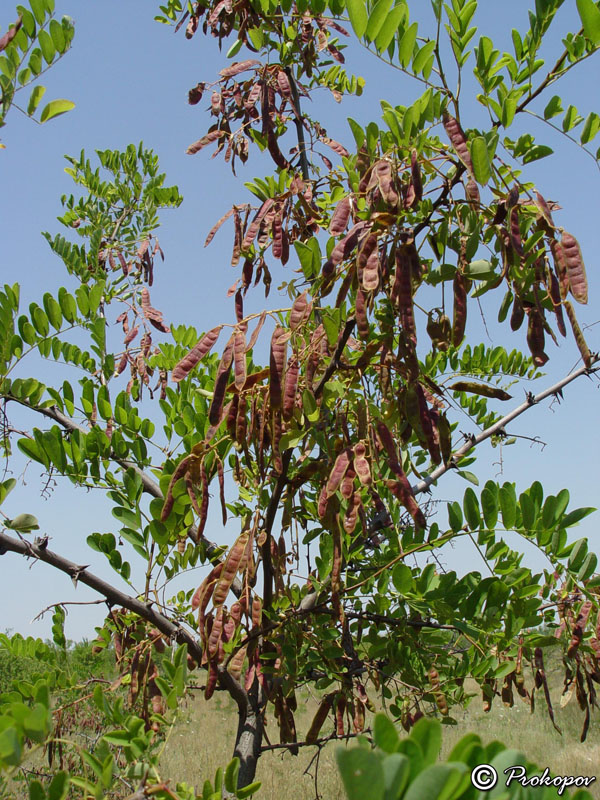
[(328, 452)]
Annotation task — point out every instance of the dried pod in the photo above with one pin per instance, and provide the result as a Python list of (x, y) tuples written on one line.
[(579, 628), (277, 366), (402, 291), (360, 311), (575, 267), (239, 358), (320, 718), (221, 381), (361, 465), (459, 321), (179, 472), (415, 174), (291, 387), (340, 217), (579, 338), (300, 307), (237, 662), (535, 336), (236, 561), (211, 681), (458, 140), (518, 314), (336, 475)]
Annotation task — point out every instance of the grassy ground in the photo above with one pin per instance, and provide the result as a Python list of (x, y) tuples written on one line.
[(203, 739)]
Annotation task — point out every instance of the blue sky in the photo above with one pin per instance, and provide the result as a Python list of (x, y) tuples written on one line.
[(129, 77)]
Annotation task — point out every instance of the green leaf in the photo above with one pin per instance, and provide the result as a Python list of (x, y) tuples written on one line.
[(481, 161), (438, 780), (428, 735), (553, 108), (47, 46), (231, 774), (489, 505), (362, 774), (10, 746), (34, 99), (406, 45), (396, 773), (508, 505), (32, 450), (249, 790), (573, 517), (471, 509), (455, 516), (37, 6), (385, 734), (58, 36), (126, 517), (24, 523), (6, 488), (357, 13), (54, 108), (587, 569), (578, 554), (377, 18), (388, 30), (402, 578), (590, 19)]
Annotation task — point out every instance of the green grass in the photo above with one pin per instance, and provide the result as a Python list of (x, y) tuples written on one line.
[(203, 738)]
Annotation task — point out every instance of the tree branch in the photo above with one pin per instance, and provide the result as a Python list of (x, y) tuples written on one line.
[(149, 485), (498, 427), (335, 358), (113, 595)]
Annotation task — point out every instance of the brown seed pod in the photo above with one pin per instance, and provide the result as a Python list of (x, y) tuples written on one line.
[(415, 174), (352, 514), (236, 561), (239, 358), (211, 680), (458, 140), (402, 291), (445, 435), (427, 426), (277, 366), (518, 314), (203, 346), (291, 387), (256, 612), (579, 628), (515, 232), (459, 321), (179, 472), (299, 310), (338, 471), (221, 381), (360, 310), (237, 662), (347, 485), (483, 389), (340, 708), (579, 338), (340, 217), (402, 489), (535, 336), (557, 303), (241, 422), (560, 265), (361, 465), (254, 227), (575, 267), (342, 249), (320, 718), (382, 170)]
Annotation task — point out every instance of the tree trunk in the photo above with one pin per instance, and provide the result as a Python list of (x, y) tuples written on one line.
[(248, 740)]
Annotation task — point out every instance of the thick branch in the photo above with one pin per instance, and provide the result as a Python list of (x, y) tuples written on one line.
[(498, 427), (299, 124), (335, 358), (113, 595), (149, 485)]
